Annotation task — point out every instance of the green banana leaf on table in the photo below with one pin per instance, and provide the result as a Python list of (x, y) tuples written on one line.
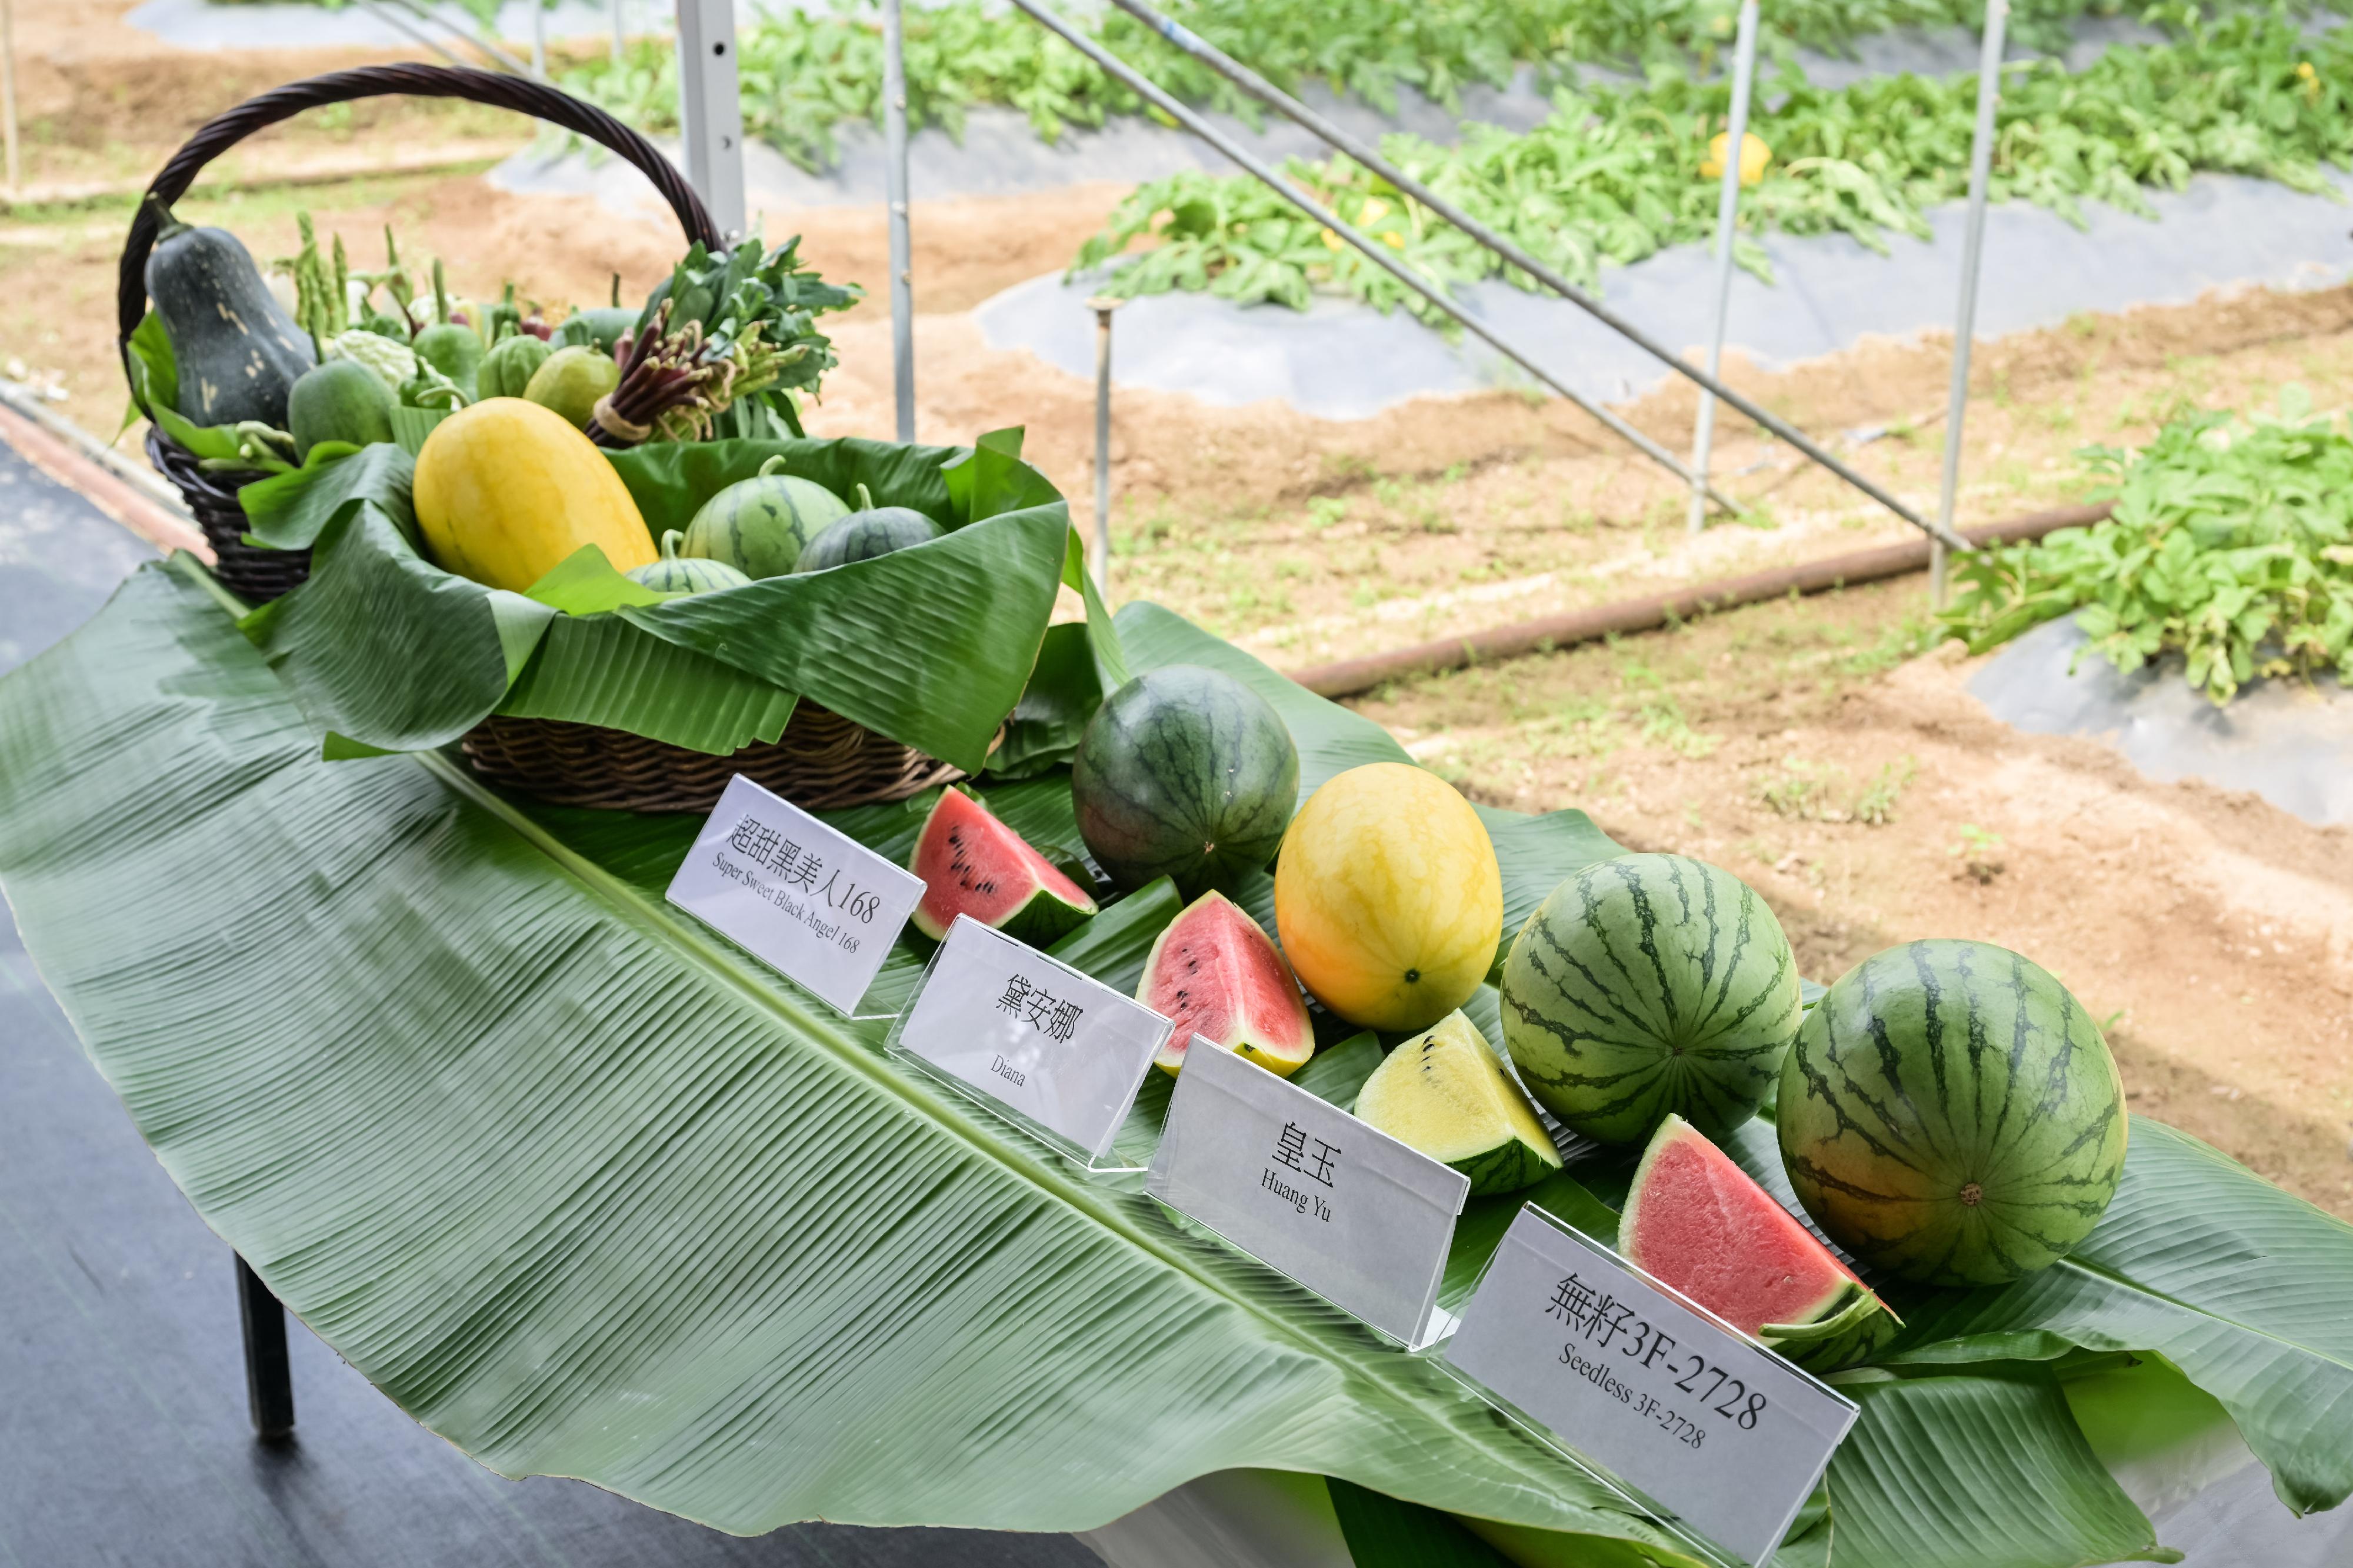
[(589, 1193)]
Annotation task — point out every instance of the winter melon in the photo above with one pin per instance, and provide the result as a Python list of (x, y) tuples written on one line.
[(505, 489), (1387, 898), (1950, 1113), (1445, 1093), (1647, 986)]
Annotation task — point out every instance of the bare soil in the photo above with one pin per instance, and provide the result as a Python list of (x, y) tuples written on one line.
[(1818, 748)]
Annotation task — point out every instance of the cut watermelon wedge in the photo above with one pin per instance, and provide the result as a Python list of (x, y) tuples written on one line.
[(1697, 1220), (972, 864), (1215, 974)]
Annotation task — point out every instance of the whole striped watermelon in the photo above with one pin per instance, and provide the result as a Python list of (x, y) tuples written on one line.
[(761, 525), (1950, 1114), (1647, 986)]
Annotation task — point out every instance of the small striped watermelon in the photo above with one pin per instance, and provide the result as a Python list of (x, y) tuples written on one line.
[(1950, 1113), (1445, 1093), (1647, 986), (973, 864), (1697, 1221), (676, 574), (761, 525), (1184, 773), (868, 531)]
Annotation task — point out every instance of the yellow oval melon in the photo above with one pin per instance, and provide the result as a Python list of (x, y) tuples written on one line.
[(505, 489), (1387, 898)]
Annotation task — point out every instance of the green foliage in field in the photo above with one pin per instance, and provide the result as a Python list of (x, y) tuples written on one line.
[(1614, 174), (2232, 544), (804, 74)]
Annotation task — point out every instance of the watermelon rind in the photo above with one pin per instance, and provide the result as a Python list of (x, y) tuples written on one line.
[(1445, 1093), (1950, 1114), (970, 860), (1646, 986), (1180, 983), (1184, 773), (1857, 1331)]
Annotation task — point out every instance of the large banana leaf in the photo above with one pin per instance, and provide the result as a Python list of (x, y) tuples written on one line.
[(591, 1193)]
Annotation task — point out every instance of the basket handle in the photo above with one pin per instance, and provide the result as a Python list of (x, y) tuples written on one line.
[(224, 131)]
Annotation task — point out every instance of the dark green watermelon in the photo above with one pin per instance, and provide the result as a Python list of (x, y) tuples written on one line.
[(1188, 773), (676, 574), (868, 531), (761, 525), (1647, 986), (1950, 1113)]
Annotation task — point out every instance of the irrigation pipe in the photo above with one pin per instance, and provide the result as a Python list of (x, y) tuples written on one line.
[(1355, 147), (1150, 91), (1353, 675)]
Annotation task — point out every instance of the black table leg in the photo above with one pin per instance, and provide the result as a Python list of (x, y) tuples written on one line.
[(268, 1382)]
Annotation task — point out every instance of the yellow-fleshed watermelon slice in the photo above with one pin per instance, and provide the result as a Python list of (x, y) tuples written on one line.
[(1215, 973), (972, 864), (1697, 1220)]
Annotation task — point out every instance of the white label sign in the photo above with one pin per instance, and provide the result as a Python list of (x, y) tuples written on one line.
[(1352, 1214), (1715, 1430), (813, 903), (1038, 1036)]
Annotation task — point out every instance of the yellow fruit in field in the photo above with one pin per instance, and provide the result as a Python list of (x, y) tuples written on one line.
[(1755, 157), (506, 490), (1387, 898)]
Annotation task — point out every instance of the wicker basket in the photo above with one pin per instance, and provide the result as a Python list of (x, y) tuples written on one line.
[(822, 760), (258, 574)]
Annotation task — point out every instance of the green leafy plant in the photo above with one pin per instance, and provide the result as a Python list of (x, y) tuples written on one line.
[(2230, 544)]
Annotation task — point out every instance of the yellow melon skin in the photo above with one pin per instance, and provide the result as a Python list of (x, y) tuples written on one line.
[(1388, 899), (505, 489)]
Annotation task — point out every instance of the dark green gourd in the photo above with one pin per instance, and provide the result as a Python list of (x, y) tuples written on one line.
[(239, 353), (868, 531)]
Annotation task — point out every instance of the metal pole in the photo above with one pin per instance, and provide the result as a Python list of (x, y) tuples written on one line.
[(1103, 305), (1371, 158), (1964, 314), (1378, 255), (8, 89), (710, 110), (620, 34), (894, 182), (1727, 212), (538, 39)]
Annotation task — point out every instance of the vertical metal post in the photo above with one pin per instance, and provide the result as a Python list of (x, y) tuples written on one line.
[(1103, 305), (1964, 314), (268, 1379), (894, 179), (710, 110), (620, 34), (538, 39), (8, 89), (1727, 212)]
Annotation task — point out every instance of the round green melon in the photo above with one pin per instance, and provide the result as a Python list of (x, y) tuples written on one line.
[(341, 400), (1950, 1114), (507, 368), (1647, 986), (761, 525), (1188, 773), (869, 531), (676, 574)]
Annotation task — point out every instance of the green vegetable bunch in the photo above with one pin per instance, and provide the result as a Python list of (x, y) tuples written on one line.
[(1615, 174), (2232, 544)]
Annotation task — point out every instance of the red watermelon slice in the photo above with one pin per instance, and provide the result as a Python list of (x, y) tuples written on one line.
[(972, 864), (1697, 1220), (1215, 974)]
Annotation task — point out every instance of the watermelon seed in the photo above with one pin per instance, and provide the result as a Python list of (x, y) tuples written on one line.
[(1972, 1195)]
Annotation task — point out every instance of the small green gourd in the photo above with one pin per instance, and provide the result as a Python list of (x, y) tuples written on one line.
[(341, 400), (506, 370), (454, 350), (676, 574)]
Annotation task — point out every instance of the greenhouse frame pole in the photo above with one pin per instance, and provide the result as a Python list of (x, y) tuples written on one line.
[(1103, 305), (1727, 213), (1357, 148), (1964, 311), (1152, 93), (894, 178), (620, 32), (711, 110)]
